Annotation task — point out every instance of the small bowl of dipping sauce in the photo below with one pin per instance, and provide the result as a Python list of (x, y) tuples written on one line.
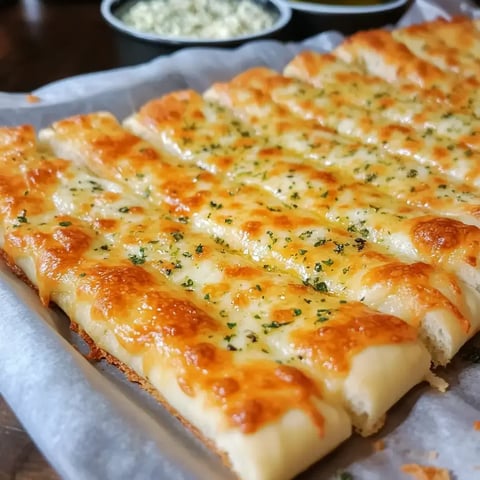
[(197, 22)]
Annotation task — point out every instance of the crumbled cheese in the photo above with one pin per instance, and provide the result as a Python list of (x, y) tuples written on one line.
[(421, 472), (379, 445), (205, 19)]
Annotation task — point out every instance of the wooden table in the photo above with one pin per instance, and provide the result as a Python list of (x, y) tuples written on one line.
[(19, 458), (43, 41)]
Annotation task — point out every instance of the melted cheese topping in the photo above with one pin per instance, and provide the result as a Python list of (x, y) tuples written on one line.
[(223, 256), (377, 210), (452, 159), (305, 186), (450, 45), (142, 288), (418, 185), (271, 232), (407, 105), (377, 52)]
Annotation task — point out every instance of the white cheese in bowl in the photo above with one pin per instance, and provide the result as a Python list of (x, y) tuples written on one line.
[(204, 19)]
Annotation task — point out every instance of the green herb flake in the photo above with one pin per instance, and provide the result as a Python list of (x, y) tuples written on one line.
[(320, 286), (215, 205), (188, 283), (274, 324), (138, 259), (177, 236), (22, 218), (65, 224)]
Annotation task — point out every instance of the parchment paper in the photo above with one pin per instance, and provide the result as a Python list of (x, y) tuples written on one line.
[(93, 424)]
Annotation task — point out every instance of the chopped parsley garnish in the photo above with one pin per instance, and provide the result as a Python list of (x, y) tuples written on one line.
[(22, 218), (360, 244), (216, 205), (320, 242), (320, 286), (177, 236), (339, 247), (123, 209), (231, 325), (187, 283), (297, 312), (65, 224), (274, 324), (322, 315), (252, 336), (138, 259), (96, 187), (199, 248)]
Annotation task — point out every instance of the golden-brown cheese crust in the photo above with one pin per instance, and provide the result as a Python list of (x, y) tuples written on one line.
[(258, 224), (135, 300), (163, 321), (395, 62), (458, 33), (429, 44), (405, 104), (415, 184), (124, 268), (327, 193)]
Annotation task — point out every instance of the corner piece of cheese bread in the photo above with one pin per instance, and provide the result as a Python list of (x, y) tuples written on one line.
[(249, 220), (407, 105), (451, 45), (138, 283), (378, 52)]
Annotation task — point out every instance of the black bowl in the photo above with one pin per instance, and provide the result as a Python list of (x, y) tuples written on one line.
[(112, 8), (311, 18)]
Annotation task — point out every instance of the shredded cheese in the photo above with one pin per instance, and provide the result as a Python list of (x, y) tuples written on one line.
[(205, 19)]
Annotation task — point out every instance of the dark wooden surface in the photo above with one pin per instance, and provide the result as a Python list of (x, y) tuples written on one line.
[(19, 458), (43, 41)]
